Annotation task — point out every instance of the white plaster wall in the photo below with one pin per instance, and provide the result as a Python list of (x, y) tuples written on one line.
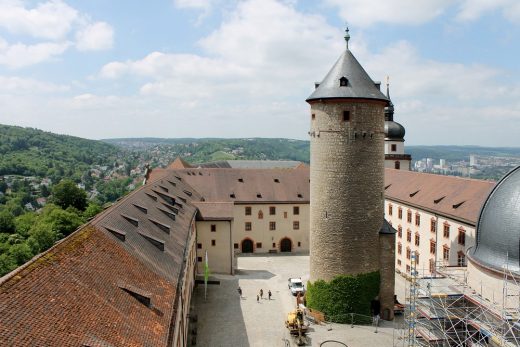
[(260, 232), (425, 235), (491, 286), (219, 256), (405, 164), (399, 145)]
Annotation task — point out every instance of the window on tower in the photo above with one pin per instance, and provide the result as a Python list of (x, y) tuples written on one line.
[(343, 82), (346, 116), (393, 147)]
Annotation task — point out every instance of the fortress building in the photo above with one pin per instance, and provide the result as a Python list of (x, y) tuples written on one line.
[(347, 175), (395, 157), (126, 277)]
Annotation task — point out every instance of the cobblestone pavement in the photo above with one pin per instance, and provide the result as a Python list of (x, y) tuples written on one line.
[(225, 319)]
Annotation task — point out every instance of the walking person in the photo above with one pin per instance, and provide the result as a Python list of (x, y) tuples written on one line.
[(375, 308), (257, 298), (269, 294), (240, 292), (261, 293)]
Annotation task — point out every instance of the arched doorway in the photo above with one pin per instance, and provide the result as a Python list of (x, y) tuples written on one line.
[(397, 165), (247, 246), (285, 245)]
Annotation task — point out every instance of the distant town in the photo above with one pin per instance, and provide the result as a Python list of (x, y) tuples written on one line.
[(477, 166)]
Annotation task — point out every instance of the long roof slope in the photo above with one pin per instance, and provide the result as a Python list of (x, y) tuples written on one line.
[(249, 185), (456, 197), (113, 282)]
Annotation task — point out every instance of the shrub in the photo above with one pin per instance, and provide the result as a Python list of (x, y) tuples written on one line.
[(344, 295)]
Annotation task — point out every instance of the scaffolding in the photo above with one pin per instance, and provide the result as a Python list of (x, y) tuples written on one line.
[(442, 310)]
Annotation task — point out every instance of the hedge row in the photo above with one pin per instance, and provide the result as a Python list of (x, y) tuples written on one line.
[(344, 294)]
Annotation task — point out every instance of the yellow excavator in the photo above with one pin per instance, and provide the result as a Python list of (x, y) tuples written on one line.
[(296, 325)]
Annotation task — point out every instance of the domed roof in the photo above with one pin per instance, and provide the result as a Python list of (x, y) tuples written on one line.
[(498, 226), (394, 131)]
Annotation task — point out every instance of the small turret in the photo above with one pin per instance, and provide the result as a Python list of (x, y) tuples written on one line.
[(394, 138)]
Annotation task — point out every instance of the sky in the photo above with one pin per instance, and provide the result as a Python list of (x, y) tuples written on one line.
[(226, 68)]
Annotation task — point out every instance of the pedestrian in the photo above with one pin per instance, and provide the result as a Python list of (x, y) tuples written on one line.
[(239, 291), (375, 308), (269, 294), (261, 293), (257, 298)]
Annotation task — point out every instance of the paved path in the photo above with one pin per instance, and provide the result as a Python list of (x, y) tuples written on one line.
[(224, 319)]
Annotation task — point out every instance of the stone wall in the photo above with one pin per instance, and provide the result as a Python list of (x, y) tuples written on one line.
[(347, 160), (387, 272)]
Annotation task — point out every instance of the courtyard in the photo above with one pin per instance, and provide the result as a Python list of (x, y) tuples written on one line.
[(225, 319)]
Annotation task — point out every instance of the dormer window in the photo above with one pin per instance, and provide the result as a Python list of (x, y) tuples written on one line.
[(343, 81)]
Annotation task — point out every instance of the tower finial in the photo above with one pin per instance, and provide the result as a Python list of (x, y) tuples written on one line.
[(388, 87), (347, 36)]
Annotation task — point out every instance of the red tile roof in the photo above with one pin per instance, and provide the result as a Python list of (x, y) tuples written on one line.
[(94, 286), (249, 185), (72, 295), (437, 193), (215, 210)]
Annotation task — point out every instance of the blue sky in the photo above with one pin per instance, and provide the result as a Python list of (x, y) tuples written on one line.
[(216, 68)]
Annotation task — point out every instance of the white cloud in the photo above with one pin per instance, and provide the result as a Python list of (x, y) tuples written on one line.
[(252, 75), (364, 13), (203, 6), (417, 77), (260, 51), (194, 4), (49, 20), (95, 37), (19, 85), (445, 102), (20, 55), (53, 22), (257, 67), (471, 10)]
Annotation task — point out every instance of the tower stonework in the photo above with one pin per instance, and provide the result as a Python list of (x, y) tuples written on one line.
[(347, 178), (346, 187)]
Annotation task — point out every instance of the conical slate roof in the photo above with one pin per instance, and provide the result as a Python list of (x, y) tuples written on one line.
[(357, 85)]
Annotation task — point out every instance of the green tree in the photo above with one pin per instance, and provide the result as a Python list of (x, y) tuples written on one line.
[(62, 222), (66, 194), (20, 253), (25, 222), (41, 237), (45, 192), (14, 206), (6, 222), (92, 210), (15, 239), (7, 264)]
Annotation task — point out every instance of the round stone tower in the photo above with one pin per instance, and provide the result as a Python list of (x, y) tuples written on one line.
[(347, 171)]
